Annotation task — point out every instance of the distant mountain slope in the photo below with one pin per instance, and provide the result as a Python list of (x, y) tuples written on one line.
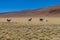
[(47, 11)]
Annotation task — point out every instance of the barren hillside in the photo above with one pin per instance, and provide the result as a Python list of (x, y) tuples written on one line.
[(47, 11)]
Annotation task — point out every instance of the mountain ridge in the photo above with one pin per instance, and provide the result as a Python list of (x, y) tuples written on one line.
[(46, 11)]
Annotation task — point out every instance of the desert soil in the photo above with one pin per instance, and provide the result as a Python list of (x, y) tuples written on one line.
[(19, 29)]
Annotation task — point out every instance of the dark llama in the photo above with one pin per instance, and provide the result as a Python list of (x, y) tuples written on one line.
[(41, 19)]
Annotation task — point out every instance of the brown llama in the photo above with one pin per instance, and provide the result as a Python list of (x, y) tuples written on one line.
[(41, 19), (30, 19), (8, 20)]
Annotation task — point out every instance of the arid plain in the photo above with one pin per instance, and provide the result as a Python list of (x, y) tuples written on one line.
[(44, 24)]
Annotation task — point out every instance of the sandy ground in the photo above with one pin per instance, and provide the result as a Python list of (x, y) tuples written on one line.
[(22, 29), (35, 20), (14, 31)]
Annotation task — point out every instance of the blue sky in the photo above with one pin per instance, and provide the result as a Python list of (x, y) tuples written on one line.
[(18, 5)]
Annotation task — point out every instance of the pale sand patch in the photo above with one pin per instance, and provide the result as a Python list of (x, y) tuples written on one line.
[(35, 20)]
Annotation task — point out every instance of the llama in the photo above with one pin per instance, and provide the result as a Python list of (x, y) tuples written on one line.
[(30, 19), (8, 20), (41, 19)]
